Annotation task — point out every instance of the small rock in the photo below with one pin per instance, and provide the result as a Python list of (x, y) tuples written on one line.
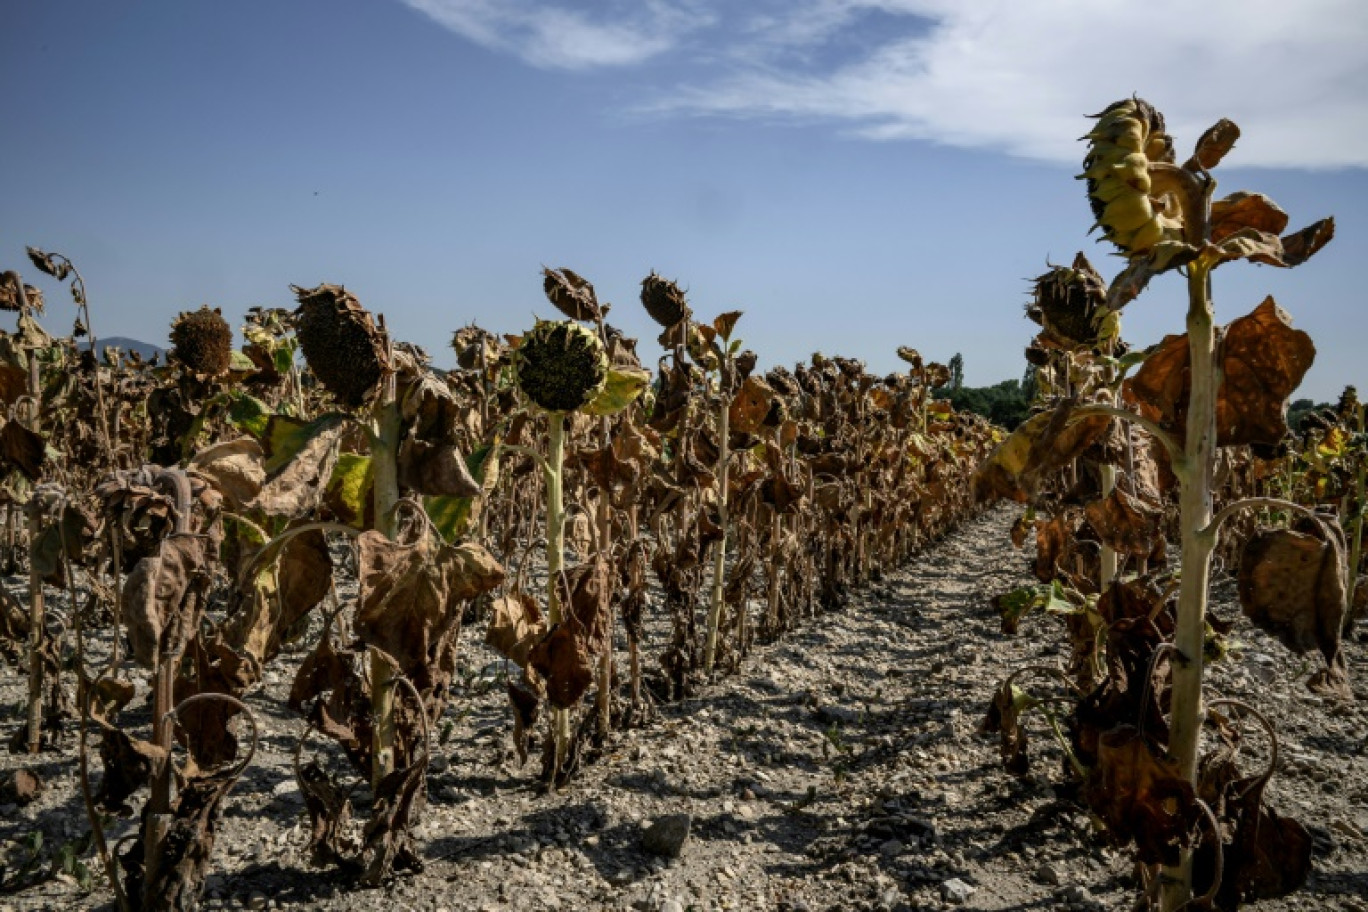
[(257, 900), (957, 891), (891, 847), (20, 787), (1076, 894), (671, 905), (666, 836), (1047, 874)]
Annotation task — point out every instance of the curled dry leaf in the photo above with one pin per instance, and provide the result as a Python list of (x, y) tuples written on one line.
[(1041, 445), (185, 850), (22, 449), (1142, 795), (236, 469), (1004, 719), (565, 658), (410, 598), (267, 609), (1243, 210), (1264, 855), (1293, 585), (1126, 524), (1264, 360), (299, 463), (1214, 144), (515, 626), (160, 605)]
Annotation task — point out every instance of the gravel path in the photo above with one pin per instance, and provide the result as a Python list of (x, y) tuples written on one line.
[(840, 769)]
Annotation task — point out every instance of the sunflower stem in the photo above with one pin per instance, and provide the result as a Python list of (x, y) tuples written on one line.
[(1195, 477)]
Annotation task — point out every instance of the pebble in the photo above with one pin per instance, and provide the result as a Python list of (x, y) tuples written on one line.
[(1048, 874), (957, 891), (666, 837)]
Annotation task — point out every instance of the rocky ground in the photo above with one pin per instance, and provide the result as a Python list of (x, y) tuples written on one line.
[(839, 769)]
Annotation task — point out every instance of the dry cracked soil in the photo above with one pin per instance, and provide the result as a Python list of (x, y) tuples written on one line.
[(840, 768)]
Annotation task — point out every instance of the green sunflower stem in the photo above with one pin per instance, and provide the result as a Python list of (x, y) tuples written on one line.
[(555, 561), (1356, 545), (1195, 476), (386, 428), (720, 557)]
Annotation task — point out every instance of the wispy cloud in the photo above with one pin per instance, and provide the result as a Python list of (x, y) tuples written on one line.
[(1008, 75), (545, 35)]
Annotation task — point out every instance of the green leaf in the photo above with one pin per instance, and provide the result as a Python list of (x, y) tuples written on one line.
[(624, 385), (349, 489), (286, 437), (284, 356), (453, 516), (237, 361), (247, 413)]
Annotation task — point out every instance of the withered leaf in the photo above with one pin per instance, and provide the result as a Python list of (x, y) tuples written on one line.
[(750, 405), (235, 468), (159, 608), (437, 469), (1003, 719), (1218, 140), (1039, 446), (564, 663), (515, 626), (299, 463), (1293, 585), (1242, 210), (1142, 796), (1126, 524), (22, 449), (1264, 361), (410, 598)]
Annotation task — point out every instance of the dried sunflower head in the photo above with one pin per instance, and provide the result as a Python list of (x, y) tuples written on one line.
[(341, 343), (572, 294), (1069, 303), (1128, 138), (560, 366), (663, 300), (203, 341)]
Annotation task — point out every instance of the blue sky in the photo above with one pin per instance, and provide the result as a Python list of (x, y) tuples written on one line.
[(853, 174)]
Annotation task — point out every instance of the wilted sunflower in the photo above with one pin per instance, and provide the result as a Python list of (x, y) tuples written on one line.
[(560, 366), (203, 341), (1069, 303), (340, 341), (663, 300), (1128, 138)]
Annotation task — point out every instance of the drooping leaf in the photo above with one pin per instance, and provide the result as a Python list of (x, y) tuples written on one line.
[(160, 608), (235, 468), (1264, 361), (725, 323), (1142, 796), (1038, 447), (1126, 524), (1242, 210), (249, 414), (750, 406), (300, 458), (1293, 585), (349, 491), (622, 388), (454, 516)]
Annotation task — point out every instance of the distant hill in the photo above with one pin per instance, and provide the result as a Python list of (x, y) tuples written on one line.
[(145, 349)]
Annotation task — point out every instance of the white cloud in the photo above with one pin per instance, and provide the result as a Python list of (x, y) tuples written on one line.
[(1009, 75), (556, 37)]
